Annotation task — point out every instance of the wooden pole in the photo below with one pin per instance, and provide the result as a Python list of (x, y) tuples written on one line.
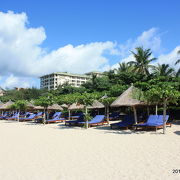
[(164, 116), (156, 109), (135, 114), (69, 115), (44, 121), (108, 114), (86, 119), (148, 110)]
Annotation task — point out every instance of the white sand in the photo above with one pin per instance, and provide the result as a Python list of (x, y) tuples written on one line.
[(54, 152)]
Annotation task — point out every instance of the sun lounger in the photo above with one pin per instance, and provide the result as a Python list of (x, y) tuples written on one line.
[(4, 116), (56, 119), (74, 122), (14, 117), (127, 122), (76, 116), (30, 118), (114, 116), (97, 120), (154, 121)]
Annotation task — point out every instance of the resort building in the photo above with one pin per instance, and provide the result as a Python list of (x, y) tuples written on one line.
[(53, 80)]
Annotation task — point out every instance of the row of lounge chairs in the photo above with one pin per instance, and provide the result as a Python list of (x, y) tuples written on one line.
[(153, 121)]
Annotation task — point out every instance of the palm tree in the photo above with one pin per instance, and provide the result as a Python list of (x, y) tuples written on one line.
[(163, 70), (142, 60), (177, 62), (124, 67)]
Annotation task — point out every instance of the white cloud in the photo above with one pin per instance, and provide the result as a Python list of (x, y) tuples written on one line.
[(22, 57), (12, 81), (21, 53), (170, 58), (148, 39)]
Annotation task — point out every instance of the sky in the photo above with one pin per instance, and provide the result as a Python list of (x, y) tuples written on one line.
[(77, 36)]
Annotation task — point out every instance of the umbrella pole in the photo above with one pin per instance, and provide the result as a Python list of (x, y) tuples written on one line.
[(108, 114), (135, 114), (148, 110), (86, 111), (156, 109), (69, 115)]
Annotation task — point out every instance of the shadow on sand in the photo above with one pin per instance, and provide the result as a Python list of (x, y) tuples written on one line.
[(177, 132)]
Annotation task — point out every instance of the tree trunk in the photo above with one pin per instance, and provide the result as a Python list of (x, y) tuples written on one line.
[(44, 119), (164, 116), (135, 114), (86, 118), (148, 110), (108, 114), (69, 115), (156, 109)]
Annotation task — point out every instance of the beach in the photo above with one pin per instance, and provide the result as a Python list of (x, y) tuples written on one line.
[(54, 152)]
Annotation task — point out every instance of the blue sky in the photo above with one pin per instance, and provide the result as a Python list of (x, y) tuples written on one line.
[(116, 23)]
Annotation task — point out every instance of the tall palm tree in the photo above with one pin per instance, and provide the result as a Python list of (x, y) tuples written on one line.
[(177, 62), (142, 60), (163, 70), (124, 67)]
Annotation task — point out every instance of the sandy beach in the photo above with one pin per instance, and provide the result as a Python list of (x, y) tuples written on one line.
[(54, 152)]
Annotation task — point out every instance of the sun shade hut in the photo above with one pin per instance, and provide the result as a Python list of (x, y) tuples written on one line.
[(127, 99), (7, 105), (96, 105), (30, 105), (75, 106), (64, 106), (38, 108), (55, 107)]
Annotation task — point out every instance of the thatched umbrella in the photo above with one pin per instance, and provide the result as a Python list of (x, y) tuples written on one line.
[(1, 104), (64, 106), (55, 107), (126, 99), (96, 105), (38, 108), (6, 105), (30, 105), (75, 106)]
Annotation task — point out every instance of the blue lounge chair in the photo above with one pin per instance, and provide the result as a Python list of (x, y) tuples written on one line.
[(30, 118), (56, 119), (114, 116), (56, 114), (154, 121), (97, 120), (4, 116), (127, 122), (14, 117), (76, 116), (75, 122)]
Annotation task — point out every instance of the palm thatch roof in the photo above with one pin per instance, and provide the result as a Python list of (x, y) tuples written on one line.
[(55, 107), (127, 99), (64, 105), (96, 105), (76, 106), (38, 107), (30, 105), (6, 105)]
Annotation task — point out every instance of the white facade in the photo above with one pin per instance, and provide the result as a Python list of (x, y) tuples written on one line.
[(52, 81)]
